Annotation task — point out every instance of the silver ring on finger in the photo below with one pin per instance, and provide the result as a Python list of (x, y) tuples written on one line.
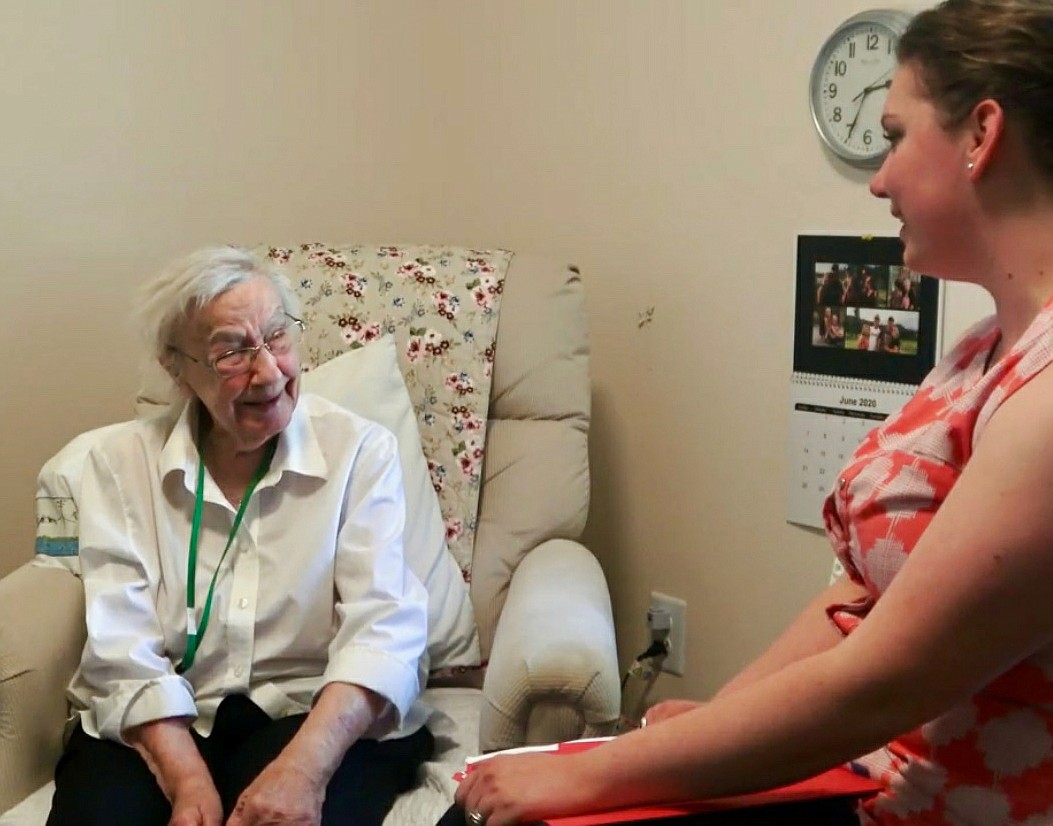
[(476, 818)]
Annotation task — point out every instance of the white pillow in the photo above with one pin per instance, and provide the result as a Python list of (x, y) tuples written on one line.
[(367, 381)]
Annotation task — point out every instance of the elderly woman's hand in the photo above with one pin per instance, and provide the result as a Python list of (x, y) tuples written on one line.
[(281, 793), (196, 803), (174, 760)]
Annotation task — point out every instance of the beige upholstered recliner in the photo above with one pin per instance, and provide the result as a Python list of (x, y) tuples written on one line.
[(540, 598)]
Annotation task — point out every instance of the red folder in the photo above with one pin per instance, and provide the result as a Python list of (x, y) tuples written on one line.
[(837, 782)]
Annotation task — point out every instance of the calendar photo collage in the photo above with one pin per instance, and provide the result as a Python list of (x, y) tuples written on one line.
[(865, 333), (871, 307)]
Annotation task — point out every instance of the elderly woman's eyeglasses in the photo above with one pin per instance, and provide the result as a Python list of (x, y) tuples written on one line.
[(239, 361)]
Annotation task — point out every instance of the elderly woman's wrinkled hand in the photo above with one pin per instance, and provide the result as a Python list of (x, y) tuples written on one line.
[(197, 804), (283, 794)]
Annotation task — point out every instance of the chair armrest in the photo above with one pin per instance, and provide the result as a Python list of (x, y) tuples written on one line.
[(41, 639), (553, 672)]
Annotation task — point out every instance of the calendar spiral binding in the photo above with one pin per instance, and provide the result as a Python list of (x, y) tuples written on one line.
[(849, 384)]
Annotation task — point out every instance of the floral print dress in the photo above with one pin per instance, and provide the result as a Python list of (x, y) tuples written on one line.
[(989, 760)]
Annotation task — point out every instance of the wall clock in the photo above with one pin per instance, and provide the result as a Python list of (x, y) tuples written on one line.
[(849, 83)]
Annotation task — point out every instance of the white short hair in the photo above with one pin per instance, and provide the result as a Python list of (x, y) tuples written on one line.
[(168, 300)]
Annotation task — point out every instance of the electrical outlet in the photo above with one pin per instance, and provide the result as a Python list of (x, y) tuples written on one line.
[(677, 610)]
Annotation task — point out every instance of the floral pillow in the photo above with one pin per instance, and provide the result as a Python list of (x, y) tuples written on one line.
[(441, 305)]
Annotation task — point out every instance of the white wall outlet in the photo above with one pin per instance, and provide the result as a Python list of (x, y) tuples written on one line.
[(677, 609)]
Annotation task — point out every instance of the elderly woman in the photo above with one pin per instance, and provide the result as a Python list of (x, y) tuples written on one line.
[(931, 661), (254, 636)]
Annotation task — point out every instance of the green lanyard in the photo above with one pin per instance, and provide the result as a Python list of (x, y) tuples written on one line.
[(195, 632)]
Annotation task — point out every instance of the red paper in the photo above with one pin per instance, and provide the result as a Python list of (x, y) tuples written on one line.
[(838, 782)]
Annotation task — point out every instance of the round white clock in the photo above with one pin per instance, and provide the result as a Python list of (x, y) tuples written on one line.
[(850, 79)]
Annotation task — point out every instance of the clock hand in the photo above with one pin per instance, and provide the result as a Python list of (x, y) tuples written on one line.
[(873, 87), (881, 82), (855, 119)]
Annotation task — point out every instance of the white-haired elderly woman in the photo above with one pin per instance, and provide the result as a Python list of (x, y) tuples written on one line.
[(254, 636)]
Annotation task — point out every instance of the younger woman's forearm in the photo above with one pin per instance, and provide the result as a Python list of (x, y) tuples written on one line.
[(811, 633)]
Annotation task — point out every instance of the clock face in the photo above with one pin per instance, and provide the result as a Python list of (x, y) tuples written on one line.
[(850, 81)]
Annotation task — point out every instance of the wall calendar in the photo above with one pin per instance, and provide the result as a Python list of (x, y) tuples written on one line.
[(865, 333)]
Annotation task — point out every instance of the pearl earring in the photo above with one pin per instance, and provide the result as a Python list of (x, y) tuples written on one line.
[(970, 166)]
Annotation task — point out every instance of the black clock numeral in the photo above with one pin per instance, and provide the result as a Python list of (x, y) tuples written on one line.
[(851, 48), (831, 90), (872, 42), (837, 114), (868, 137), (840, 68)]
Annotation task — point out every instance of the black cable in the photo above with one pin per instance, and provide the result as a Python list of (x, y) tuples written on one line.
[(656, 649)]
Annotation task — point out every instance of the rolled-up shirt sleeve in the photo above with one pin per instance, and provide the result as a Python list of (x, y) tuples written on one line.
[(381, 606), (124, 665)]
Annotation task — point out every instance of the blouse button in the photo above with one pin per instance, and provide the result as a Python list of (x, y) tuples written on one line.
[(243, 603)]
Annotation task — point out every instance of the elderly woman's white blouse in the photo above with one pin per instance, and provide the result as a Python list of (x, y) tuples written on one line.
[(313, 590)]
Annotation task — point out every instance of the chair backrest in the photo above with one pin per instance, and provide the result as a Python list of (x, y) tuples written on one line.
[(535, 475), (536, 468)]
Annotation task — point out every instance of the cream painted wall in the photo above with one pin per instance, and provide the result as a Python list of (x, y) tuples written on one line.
[(664, 147)]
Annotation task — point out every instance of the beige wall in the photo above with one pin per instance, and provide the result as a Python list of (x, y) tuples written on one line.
[(665, 147)]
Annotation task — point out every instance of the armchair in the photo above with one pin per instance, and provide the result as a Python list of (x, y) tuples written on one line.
[(539, 597)]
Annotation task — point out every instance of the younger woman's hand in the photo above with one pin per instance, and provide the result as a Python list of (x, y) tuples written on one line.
[(669, 708), (524, 788)]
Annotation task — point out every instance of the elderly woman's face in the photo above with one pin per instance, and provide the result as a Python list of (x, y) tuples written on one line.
[(250, 408)]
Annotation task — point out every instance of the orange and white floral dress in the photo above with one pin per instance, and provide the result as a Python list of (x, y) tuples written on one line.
[(989, 760)]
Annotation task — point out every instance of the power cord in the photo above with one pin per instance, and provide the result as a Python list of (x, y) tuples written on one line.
[(658, 650), (641, 675)]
